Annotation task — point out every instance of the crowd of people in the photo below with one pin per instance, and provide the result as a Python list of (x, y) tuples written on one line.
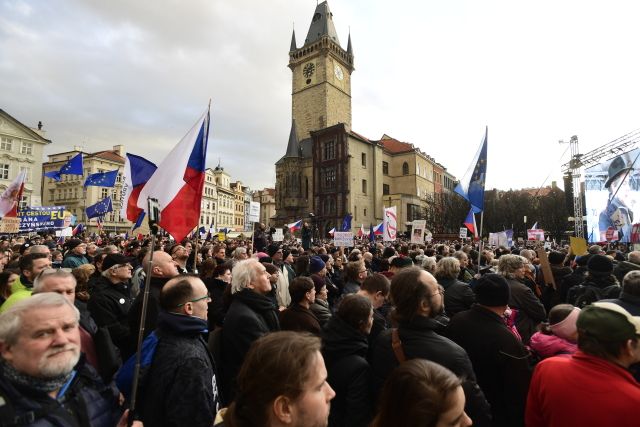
[(302, 333)]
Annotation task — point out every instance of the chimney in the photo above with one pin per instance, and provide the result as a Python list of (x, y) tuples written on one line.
[(119, 149)]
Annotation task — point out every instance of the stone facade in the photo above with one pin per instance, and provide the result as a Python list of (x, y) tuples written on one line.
[(267, 200), (21, 148)]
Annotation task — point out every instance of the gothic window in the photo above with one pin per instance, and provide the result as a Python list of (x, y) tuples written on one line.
[(405, 168), (385, 168), (329, 178), (385, 189), (329, 150)]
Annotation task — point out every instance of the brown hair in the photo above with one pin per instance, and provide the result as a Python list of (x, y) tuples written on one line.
[(278, 364), (415, 395), (376, 283), (352, 269), (355, 310), (299, 288)]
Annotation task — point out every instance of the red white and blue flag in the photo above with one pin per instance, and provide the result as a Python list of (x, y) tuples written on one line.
[(378, 230), (178, 182), (295, 226), (470, 223), (77, 229), (137, 171)]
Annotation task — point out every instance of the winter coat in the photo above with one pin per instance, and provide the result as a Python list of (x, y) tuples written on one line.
[(551, 345), (320, 309), (623, 268), (73, 261), (109, 306), (87, 402), (555, 297), (458, 296), (530, 310), (499, 361), (216, 311), (581, 390), (249, 317), (350, 287), (344, 351), (180, 386), (419, 340), (629, 302), (300, 319), (153, 309)]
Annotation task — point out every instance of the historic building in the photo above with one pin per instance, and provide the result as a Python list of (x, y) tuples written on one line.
[(71, 192), (21, 148), (267, 200), (328, 170)]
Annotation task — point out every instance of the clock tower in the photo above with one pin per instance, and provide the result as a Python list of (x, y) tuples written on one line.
[(321, 76)]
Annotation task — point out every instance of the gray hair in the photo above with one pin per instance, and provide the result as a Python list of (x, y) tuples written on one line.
[(239, 251), (12, 319), (41, 279), (631, 283), (634, 257), (508, 264), (38, 249), (242, 274), (429, 264), (448, 268)]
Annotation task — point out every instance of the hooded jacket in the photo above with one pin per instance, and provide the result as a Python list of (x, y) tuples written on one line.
[(344, 351)]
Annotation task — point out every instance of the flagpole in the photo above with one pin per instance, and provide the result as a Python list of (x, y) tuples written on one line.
[(253, 238), (195, 254), (480, 243)]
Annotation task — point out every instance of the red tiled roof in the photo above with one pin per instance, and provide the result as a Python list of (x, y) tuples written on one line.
[(394, 146), (107, 155)]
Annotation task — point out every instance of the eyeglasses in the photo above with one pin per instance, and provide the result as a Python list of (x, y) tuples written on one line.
[(207, 296), (440, 291)]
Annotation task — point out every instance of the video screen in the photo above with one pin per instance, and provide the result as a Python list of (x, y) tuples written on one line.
[(612, 197)]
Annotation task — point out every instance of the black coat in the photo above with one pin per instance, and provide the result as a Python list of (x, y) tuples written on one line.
[(623, 268), (109, 306), (499, 361), (344, 351), (530, 310), (300, 319), (216, 288), (153, 309), (629, 302), (249, 317), (458, 296), (180, 386), (419, 340)]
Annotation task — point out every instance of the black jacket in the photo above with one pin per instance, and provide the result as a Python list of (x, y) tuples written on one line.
[(419, 340), (249, 317), (87, 402), (344, 351), (575, 278), (530, 310), (109, 306), (153, 309), (300, 319), (499, 361), (216, 288), (180, 387), (458, 296), (629, 302), (623, 268)]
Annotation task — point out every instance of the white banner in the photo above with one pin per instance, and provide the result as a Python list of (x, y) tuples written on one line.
[(343, 238), (417, 232), (463, 232), (278, 236), (390, 224), (254, 212)]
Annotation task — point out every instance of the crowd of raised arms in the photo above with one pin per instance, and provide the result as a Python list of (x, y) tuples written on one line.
[(298, 333)]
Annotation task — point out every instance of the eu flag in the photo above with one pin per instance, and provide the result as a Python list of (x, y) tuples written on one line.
[(72, 167), (346, 222), (102, 179), (471, 186), (100, 208)]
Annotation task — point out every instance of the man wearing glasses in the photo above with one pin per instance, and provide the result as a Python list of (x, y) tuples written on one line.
[(111, 300), (180, 387)]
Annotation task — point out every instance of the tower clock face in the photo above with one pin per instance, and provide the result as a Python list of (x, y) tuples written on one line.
[(338, 72), (308, 69)]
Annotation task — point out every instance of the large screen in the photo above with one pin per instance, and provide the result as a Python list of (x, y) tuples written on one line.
[(613, 197)]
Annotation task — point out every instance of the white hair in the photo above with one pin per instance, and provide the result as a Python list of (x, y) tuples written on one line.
[(242, 274)]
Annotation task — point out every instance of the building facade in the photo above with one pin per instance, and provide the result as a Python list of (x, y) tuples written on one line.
[(71, 193), (22, 148), (328, 170), (267, 199)]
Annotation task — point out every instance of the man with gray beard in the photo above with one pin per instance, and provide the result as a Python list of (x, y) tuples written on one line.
[(43, 377)]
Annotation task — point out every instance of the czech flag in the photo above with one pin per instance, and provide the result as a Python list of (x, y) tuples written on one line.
[(78, 229), (470, 222), (378, 230), (137, 172), (10, 198), (178, 182), (295, 226)]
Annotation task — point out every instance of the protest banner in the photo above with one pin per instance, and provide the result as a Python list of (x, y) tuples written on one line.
[(343, 238)]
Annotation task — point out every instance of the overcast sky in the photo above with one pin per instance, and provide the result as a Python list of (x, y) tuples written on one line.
[(433, 73)]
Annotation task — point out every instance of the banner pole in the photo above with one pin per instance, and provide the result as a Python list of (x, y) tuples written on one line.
[(480, 243)]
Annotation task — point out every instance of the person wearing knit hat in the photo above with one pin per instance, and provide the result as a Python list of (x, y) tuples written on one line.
[(563, 388), (499, 359), (76, 251), (316, 266), (599, 283), (560, 335)]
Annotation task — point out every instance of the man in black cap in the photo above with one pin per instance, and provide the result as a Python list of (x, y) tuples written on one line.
[(600, 283), (75, 257), (498, 357), (618, 214)]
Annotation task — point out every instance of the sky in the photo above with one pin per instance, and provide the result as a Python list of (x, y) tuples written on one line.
[(433, 73)]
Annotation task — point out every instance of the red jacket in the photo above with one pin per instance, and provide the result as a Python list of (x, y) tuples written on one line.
[(583, 391)]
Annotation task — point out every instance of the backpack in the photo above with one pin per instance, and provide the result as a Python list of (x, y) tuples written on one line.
[(583, 295), (124, 377)]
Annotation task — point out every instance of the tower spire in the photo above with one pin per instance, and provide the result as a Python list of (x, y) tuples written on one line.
[(293, 147), (293, 41), (322, 25), (349, 48)]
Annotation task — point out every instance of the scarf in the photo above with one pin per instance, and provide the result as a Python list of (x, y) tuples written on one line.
[(44, 385), (260, 304)]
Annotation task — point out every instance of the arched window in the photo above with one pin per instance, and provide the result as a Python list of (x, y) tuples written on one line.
[(405, 168), (306, 187)]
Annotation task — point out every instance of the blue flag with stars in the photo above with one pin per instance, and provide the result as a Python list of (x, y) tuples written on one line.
[(346, 222), (72, 167), (102, 179), (100, 208), (471, 186)]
